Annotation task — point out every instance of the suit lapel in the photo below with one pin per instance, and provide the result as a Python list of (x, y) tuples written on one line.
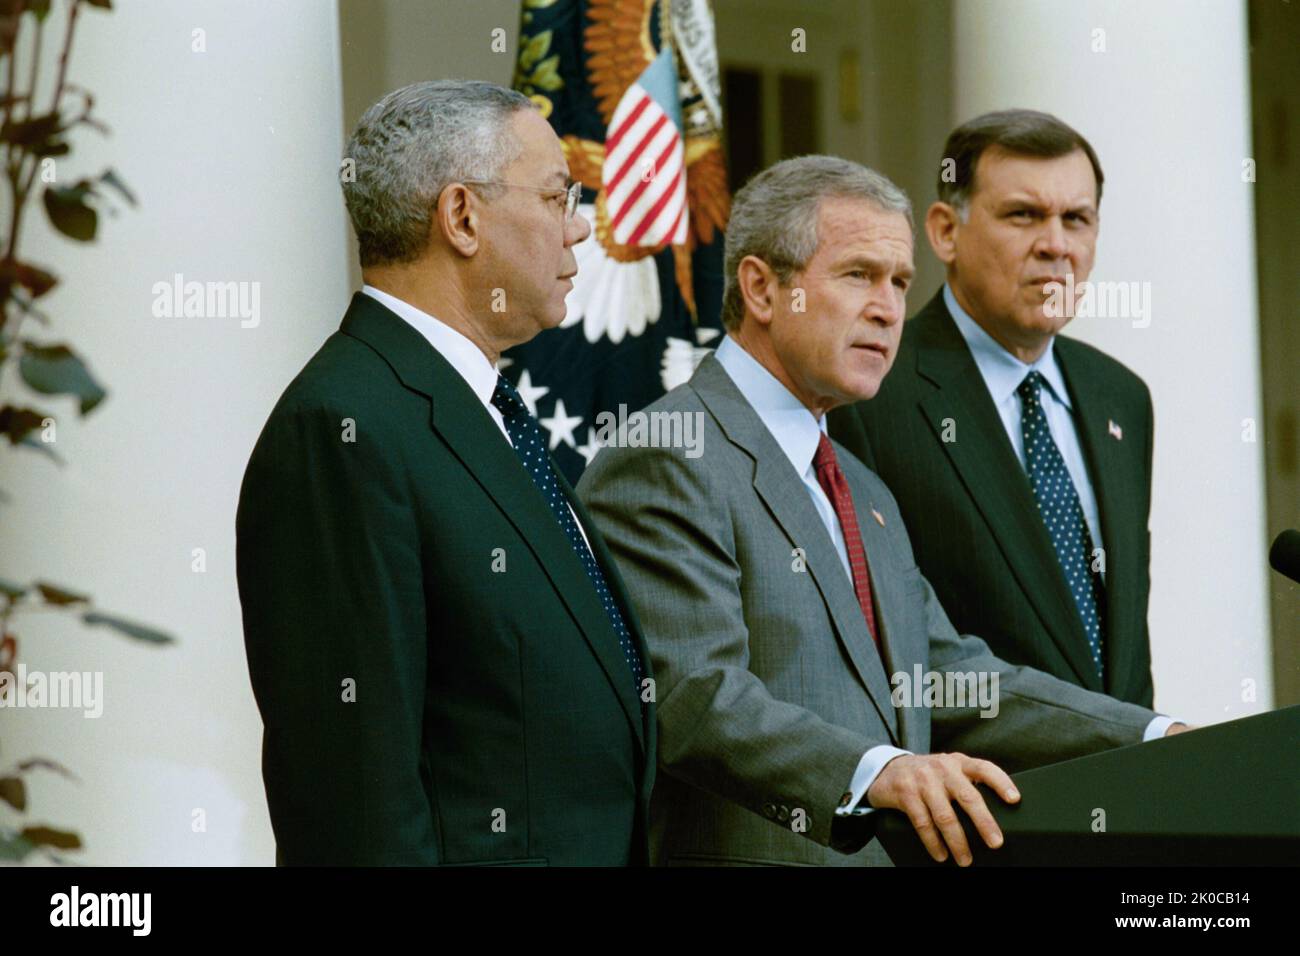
[(784, 494), (615, 581), (983, 458), (462, 422), (1111, 470), (889, 597)]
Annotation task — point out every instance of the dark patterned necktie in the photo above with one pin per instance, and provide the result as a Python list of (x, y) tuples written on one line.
[(527, 439), (833, 482), (1058, 504)]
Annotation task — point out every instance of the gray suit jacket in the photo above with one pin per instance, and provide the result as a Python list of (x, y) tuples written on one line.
[(769, 686)]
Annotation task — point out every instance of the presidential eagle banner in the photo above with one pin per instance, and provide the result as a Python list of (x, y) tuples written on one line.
[(631, 87)]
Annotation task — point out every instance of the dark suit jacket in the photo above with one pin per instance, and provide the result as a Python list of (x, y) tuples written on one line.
[(492, 717), (971, 513)]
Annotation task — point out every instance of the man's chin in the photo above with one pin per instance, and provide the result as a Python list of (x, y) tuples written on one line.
[(863, 390), (1046, 315), (551, 320)]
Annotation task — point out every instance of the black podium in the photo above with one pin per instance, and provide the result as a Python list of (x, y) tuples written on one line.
[(1228, 794)]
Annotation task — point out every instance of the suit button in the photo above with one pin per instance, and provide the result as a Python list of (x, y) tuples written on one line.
[(769, 810), (783, 814), (846, 799)]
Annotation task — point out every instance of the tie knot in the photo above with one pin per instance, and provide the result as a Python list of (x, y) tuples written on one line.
[(1030, 387), (825, 456), (506, 398)]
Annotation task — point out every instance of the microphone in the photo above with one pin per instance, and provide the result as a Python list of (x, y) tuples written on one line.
[(1285, 554)]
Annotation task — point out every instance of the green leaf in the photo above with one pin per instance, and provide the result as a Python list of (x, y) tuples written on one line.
[(44, 448), (534, 50), (56, 370), (26, 305), (546, 77), (14, 847), (52, 148), (111, 178), (18, 423), (59, 596), (45, 764), (29, 133), (137, 631), (47, 836), (12, 589), (69, 213), (14, 792), (30, 277)]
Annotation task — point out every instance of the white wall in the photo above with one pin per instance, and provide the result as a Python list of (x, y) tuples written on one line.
[(1166, 107), (233, 153)]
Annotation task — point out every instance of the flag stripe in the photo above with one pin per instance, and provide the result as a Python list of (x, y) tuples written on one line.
[(625, 206), (632, 155), (648, 220), (649, 199), (612, 141)]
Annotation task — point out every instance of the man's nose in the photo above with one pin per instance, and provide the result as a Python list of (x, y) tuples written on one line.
[(889, 307), (1052, 241), (576, 229)]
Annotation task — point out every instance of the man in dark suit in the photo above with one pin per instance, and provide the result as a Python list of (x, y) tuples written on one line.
[(446, 661), (1021, 459)]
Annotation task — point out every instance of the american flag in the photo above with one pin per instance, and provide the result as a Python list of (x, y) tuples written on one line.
[(645, 166), (632, 89)]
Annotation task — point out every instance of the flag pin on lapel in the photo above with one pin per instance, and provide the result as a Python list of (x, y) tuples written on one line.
[(1115, 431), (880, 519)]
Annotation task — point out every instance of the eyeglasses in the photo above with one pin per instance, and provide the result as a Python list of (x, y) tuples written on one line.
[(571, 193)]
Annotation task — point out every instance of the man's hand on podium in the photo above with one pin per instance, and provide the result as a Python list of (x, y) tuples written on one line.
[(923, 786), (1179, 729)]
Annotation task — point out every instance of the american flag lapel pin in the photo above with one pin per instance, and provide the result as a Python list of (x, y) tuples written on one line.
[(880, 519), (1116, 432)]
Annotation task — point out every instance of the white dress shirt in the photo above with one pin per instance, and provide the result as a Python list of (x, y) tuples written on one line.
[(462, 355), (798, 434)]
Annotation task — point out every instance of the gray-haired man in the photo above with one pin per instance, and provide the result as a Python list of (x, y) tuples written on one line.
[(445, 659), (794, 640)]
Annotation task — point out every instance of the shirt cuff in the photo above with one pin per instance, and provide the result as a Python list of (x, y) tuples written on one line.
[(869, 767), (1158, 726)]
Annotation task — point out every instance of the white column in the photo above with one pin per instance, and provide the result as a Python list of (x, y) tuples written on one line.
[(233, 151), (1160, 89)]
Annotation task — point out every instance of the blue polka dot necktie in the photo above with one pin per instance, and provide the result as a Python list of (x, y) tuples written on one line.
[(527, 439), (1058, 504)]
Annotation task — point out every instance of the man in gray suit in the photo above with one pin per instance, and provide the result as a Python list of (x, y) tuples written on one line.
[(774, 577)]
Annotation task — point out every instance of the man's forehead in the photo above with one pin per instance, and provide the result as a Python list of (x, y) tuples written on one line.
[(847, 224), (1069, 178), (542, 152)]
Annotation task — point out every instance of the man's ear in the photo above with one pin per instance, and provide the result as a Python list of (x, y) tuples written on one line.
[(941, 225), (456, 217), (758, 288)]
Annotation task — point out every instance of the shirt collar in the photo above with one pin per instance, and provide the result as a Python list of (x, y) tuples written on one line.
[(462, 354), (1002, 371), (787, 418)]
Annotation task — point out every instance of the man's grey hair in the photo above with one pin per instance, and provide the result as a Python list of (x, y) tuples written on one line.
[(774, 216), (409, 146)]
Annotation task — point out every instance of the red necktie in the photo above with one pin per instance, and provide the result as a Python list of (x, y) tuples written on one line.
[(832, 481)]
